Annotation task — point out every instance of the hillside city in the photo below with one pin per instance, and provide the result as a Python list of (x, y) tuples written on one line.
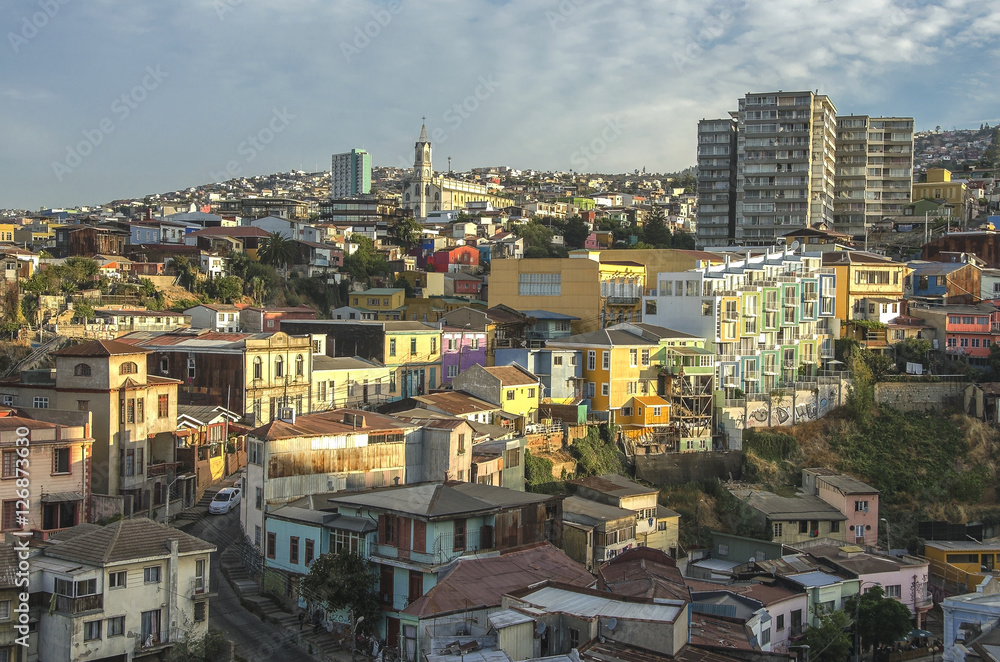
[(744, 412)]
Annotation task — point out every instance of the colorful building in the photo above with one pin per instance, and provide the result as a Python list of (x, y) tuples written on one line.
[(460, 258), (967, 331), (513, 388), (768, 318), (938, 187), (460, 350), (387, 303)]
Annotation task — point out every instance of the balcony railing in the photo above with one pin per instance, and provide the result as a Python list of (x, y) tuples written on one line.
[(79, 605), (623, 301)]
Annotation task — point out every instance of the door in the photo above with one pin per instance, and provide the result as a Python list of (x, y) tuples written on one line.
[(392, 632)]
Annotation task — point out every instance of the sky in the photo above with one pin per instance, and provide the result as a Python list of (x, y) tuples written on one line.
[(109, 99)]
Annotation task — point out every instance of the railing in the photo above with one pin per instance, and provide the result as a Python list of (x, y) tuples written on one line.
[(623, 301), (79, 605)]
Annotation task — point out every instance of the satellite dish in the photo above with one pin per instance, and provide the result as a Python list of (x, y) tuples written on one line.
[(753, 559), (795, 244), (612, 623), (540, 628)]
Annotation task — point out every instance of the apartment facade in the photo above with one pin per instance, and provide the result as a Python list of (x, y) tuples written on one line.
[(59, 489), (874, 170), (716, 182), (351, 174), (867, 284), (134, 414), (768, 317)]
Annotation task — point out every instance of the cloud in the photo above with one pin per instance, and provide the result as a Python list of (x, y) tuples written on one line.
[(359, 73)]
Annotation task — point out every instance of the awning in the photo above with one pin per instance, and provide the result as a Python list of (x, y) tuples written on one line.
[(59, 497)]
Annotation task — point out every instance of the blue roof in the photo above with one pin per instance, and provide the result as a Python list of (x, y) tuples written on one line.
[(815, 578), (921, 268), (547, 315)]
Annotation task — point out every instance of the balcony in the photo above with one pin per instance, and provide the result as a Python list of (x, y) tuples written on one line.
[(79, 605), (623, 301)]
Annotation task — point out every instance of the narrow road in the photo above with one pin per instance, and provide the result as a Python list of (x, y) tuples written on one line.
[(256, 640)]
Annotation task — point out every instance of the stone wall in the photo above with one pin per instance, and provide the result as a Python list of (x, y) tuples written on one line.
[(675, 468), (920, 396)]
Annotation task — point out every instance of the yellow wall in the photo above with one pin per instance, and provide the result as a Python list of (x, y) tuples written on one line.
[(526, 400), (6, 232), (427, 356), (848, 291), (378, 301), (622, 374)]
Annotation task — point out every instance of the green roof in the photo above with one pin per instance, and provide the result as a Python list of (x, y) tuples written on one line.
[(380, 290)]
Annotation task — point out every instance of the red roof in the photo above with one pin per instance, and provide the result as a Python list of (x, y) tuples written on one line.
[(100, 348)]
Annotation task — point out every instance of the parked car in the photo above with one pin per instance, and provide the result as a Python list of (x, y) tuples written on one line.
[(227, 499)]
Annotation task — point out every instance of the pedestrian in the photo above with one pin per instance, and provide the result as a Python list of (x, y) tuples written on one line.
[(302, 619)]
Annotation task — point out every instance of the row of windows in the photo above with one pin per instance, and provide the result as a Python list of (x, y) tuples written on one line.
[(258, 367), (61, 462), (413, 346)]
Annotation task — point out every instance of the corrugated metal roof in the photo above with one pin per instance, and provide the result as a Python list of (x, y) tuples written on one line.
[(614, 485), (589, 605), (100, 348)]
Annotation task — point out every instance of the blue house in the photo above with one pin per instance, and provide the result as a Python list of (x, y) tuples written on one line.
[(956, 278), (545, 325), (560, 370), (424, 527)]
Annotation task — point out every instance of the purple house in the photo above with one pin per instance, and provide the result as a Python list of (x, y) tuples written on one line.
[(461, 348)]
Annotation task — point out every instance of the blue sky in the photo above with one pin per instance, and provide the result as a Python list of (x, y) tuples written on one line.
[(103, 99)]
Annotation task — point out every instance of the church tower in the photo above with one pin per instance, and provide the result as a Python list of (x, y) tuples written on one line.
[(423, 172)]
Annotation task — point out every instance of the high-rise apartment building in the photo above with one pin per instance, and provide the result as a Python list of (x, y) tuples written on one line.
[(351, 174), (795, 164), (874, 170), (716, 181)]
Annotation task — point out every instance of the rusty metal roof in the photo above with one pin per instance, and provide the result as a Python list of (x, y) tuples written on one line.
[(613, 485), (335, 421), (483, 581), (100, 348), (456, 402)]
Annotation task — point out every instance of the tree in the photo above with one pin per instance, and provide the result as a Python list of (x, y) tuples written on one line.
[(655, 232), (827, 641), (83, 311), (365, 261), (211, 646), (880, 620), (276, 250), (536, 236), (227, 288), (407, 231), (576, 233), (915, 350), (682, 239), (344, 580)]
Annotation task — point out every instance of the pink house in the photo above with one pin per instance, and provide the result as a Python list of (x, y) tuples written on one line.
[(856, 500)]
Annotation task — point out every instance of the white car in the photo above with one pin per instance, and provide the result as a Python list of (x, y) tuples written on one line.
[(227, 499)]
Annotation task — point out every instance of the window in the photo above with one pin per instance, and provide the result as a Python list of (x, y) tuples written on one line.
[(434, 345), (346, 541), (475, 343), (765, 637), (81, 370), (40, 402), (293, 549), (723, 549), (83, 405), (574, 638), (413, 345), (605, 390), (706, 308), (777, 529), (512, 458), (191, 367), (606, 360), (9, 463), (452, 371), (299, 366), (510, 394), (199, 576), (310, 551), (279, 367), (834, 527), (130, 410), (150, 628), (151, 574), (645, 358), (893, 591), (633, 358), (461, 443), (388, 529), (591, 389), (539, 285), (5, 610), (128, 368), (272, 544), (392, 348), (86, 587), (796, 620), (779, 623), (591, 360), (459, 535), (256, 453), (256, 536), (531, 392), (657, 411), (116, 626), (200, 610), (259, 498), (163, 406), (63, 587), (91, 630), (861, 506), (118, 579), (557, 360), (804, 526)]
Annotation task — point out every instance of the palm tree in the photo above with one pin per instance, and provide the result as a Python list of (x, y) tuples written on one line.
[(276, 250)]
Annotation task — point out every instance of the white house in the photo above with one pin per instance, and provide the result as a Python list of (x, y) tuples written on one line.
[(122, 591), (223, 318)]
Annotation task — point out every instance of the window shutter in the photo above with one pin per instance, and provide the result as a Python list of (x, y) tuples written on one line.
[(381, 529), (419, 535)]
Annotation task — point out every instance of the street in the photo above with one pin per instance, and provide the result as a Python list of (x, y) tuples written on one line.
[(255, 639)]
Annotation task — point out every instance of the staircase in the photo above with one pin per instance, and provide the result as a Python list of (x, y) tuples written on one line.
[(199, 509), (37, 355)]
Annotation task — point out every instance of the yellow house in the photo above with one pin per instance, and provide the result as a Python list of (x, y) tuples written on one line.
[(413, 356), (515, 390), (7, 232), (939, 186), (386, 302), (868, 286), (600, 288), (617, 366), (641, 412)]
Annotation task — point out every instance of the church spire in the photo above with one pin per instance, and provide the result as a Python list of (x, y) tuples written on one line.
[(423, 130)]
